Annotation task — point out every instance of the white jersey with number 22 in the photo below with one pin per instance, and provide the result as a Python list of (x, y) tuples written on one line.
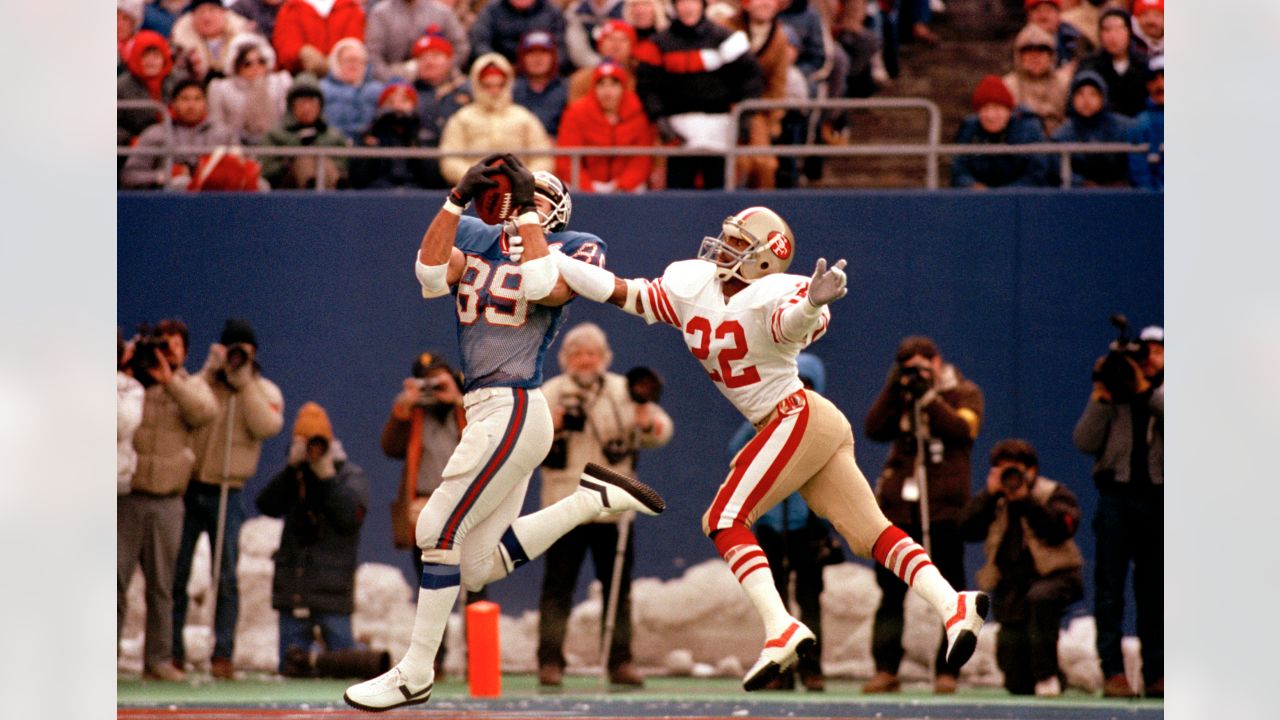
[(740, 341)]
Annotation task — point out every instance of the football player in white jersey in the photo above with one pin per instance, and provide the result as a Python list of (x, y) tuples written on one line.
[(745, 320)]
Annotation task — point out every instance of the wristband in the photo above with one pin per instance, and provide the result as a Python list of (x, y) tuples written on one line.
[(528, 217), (452, 207)]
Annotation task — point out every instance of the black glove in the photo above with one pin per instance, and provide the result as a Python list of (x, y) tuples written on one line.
[(521, 182), (667, 133), (474, 181)]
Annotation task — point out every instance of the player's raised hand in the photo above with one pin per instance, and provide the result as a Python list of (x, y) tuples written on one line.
[(475, 181), (521, 181), (827, 284)]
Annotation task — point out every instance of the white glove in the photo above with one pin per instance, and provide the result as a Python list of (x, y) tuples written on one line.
[(827, 286), (515, 243)]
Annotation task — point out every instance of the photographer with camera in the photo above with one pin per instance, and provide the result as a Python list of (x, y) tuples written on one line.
[(1122, 427), (931, 414), (250, 410), (323, 498), (1034, 569), (149, 511), (604, 418)]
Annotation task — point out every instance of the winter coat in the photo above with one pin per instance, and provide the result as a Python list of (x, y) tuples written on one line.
[(1146, 170), (804, 19), (484, 127), (1104, 126), (213, 51), (581, 20), (673, 75), (145, 171), (438, 103), (499, 27), (1126, 92), (1071, 45), (258, 415), (129, 399), (351, 108), (610, 415), (1001, 170), (390, 129), (156, 18), (315, 565), (165, 441), (1041, 545), (1105, 431), (1045, 96), (584, 124), (952, 419), (130, 85), (250, 108), (261, 14), (291, 133), (298, 23), (394, 25), (547, 104)]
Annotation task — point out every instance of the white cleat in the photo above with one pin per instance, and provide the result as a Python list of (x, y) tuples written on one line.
[(963, 627), (388, 690), (779, 654), (619, 493)]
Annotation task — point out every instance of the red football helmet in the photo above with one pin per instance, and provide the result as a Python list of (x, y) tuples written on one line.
[(753, 243)]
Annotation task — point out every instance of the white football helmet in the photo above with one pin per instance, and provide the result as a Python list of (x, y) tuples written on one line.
[(550, 187), (762, 245)]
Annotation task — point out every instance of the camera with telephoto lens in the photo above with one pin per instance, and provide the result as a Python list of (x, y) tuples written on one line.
[(644, 385), (319, 442), (1117, 373), (914, 380), (1012, 479), (148, 346), (616, 450), (237, 356)]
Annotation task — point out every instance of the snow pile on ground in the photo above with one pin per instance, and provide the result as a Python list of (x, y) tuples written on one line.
[(699, 624)]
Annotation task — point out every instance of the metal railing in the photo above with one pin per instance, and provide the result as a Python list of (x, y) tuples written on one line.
[(932, 150)]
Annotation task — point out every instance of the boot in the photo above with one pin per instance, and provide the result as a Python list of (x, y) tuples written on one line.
[(297, 663), (352, 663)]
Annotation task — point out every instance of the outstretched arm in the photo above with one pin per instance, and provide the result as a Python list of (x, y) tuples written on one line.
[(595, 283)]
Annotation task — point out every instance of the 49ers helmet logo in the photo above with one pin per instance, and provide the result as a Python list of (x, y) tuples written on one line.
[(779, 245)]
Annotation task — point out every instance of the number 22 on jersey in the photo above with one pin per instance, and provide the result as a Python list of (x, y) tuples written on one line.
[(728, 342), (496, 291)]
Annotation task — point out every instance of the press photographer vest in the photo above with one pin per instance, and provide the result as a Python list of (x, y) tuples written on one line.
[(1047, 558)]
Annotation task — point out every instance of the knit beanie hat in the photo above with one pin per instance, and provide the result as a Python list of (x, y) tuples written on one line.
[(608, 70), (394, 87), (1028, 4), (238, 331), (991, 89), (312, 421), (1141, 6), (609, 27), (304, 85)]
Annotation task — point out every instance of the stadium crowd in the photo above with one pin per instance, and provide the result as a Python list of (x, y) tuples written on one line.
[(481, 75)]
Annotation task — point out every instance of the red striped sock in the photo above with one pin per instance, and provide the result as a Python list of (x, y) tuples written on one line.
[(904, 557), (740, 550)]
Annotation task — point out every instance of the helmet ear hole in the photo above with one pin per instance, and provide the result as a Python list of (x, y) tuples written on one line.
[(764, 265)]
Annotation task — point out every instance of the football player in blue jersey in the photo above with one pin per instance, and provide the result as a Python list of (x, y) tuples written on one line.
[(508, 297)]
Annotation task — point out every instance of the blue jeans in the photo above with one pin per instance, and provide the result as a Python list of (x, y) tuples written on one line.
[(201, 503), (335, 630), (1129, 531)]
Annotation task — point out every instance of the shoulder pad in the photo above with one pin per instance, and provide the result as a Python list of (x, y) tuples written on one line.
[(684, 278)]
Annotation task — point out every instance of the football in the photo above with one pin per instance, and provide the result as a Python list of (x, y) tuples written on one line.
[(493, 205)]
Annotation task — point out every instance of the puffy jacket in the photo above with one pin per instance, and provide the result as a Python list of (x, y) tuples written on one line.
[(187, 39), (351, 108), (315, 566), (165, 440), (291, 133), (704, 68), (486, 125), (1001, 170), (584, 125), (1146, 170), (1046, 95), (250, 108), (1103, 126), (258, 415), (298, 24)]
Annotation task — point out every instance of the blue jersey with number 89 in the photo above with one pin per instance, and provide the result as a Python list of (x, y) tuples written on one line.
[(503, 337)]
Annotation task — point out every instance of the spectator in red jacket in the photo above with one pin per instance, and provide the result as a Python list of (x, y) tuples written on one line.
[(610, 116), (306, 30)]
